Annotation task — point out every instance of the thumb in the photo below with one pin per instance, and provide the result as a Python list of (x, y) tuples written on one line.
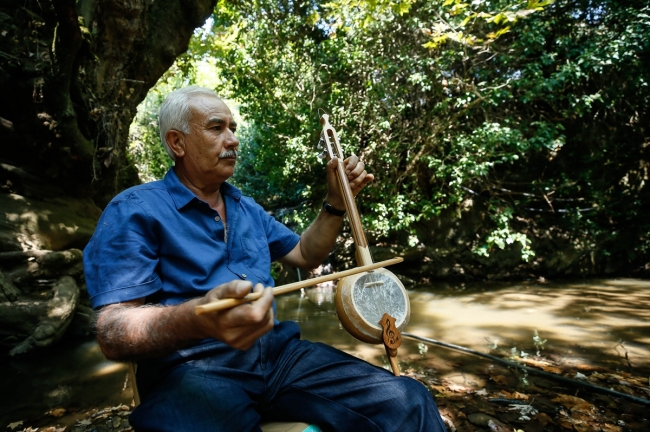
[(333, 187)]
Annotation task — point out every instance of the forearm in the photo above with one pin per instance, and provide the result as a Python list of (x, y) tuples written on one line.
[(130, 331), (318, 240)]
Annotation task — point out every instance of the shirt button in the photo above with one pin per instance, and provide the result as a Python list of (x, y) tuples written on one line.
[(217, 218), (243, 275)]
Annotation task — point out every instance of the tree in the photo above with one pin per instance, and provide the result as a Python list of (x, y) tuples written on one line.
[(71, 78), (520, 124)]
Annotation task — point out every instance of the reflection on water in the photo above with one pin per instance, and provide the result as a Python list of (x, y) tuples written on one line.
[(592, 322)]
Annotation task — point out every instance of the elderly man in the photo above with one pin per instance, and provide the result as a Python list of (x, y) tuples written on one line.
[(161, 248)]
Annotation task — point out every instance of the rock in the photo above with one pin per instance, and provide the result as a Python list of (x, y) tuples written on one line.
[(480, 419), (40, 323), (50, 224), (41, 266), (8, 290)]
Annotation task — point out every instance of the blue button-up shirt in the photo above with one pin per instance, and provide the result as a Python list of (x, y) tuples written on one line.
[(158, 240)]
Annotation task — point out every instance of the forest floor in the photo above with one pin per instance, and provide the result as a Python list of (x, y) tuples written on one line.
[(472, 394), (476, 394)]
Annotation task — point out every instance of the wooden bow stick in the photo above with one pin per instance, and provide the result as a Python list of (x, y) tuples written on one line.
[(232, 302)]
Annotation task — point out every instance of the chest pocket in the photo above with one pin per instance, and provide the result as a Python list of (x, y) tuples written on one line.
[(257, 256)]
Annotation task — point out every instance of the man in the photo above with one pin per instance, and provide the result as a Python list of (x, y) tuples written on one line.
[(160, 249)]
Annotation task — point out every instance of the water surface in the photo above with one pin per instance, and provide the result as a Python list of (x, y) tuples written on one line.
[(599, 323)]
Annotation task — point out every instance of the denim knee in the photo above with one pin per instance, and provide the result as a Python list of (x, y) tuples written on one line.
[(416, 405)]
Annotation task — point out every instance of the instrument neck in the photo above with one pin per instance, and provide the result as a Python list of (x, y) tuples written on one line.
[(362, 253)]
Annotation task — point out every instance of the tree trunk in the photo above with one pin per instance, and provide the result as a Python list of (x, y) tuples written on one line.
[(72, 74)]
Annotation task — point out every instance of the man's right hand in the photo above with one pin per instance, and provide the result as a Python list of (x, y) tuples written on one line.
[(242, 325), (128, 331)]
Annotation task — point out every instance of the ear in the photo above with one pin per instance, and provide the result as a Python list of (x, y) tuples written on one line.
[(176, 142)]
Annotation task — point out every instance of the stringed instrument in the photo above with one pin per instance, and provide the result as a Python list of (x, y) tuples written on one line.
[(372, 306)]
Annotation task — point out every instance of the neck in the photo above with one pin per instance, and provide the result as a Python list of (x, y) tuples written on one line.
[(206, 192)]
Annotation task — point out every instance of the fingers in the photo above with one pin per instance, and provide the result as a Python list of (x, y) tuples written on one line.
[(242, 325), (253, 320), (332, 180), (232, 289), (355, 169), (356, 174)]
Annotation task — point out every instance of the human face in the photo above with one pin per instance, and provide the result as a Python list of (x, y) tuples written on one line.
[(203, 159)]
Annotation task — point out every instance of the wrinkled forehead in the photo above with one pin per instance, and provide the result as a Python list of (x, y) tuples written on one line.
[(204, 108)]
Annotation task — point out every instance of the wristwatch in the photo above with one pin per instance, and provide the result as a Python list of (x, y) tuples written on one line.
[(331, 210)]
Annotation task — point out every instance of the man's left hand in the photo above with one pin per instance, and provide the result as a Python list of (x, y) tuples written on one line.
[(356, 173)]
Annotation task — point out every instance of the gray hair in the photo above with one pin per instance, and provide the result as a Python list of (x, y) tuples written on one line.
[(176, 110)]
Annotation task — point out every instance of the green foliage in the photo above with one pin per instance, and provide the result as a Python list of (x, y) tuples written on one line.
[(145, 150), (533, 112)]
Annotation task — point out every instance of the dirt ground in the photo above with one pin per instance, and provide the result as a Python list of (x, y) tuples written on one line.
[(477, 395), (472, 394)]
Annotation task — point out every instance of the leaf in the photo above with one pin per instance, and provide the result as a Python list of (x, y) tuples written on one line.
[(56, 412), (543, 418), (467, 19), (457, 388), (520, 396), (573, 403), (14, 425), (499, 18)]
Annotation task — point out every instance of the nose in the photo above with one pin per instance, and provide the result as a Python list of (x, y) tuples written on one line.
[(231, 140)]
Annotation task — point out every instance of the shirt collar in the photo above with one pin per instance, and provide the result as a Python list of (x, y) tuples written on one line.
[(182, 196)]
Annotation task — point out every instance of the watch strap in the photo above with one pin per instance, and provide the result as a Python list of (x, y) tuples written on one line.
[(331, 210)]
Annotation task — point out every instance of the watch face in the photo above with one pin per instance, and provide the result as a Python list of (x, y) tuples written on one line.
[(375, 294)]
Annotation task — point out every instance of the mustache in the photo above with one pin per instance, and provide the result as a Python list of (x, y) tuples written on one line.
[(229, 154)]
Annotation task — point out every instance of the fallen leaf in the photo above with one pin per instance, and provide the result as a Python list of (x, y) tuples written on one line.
[(457, 388), (552, 369), (520, 396), (84, 422), (606, 427), (56, 412), (574, 403), (565, 423), (505, 394), (581, 426), (543, 419), (14, 425)]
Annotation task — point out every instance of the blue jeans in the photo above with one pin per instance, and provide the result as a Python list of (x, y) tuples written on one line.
[(212, 387)]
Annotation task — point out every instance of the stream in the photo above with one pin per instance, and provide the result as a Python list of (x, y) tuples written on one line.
[(602, 322)]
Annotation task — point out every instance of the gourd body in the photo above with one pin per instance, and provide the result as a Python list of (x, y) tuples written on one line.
[(362, 300)]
